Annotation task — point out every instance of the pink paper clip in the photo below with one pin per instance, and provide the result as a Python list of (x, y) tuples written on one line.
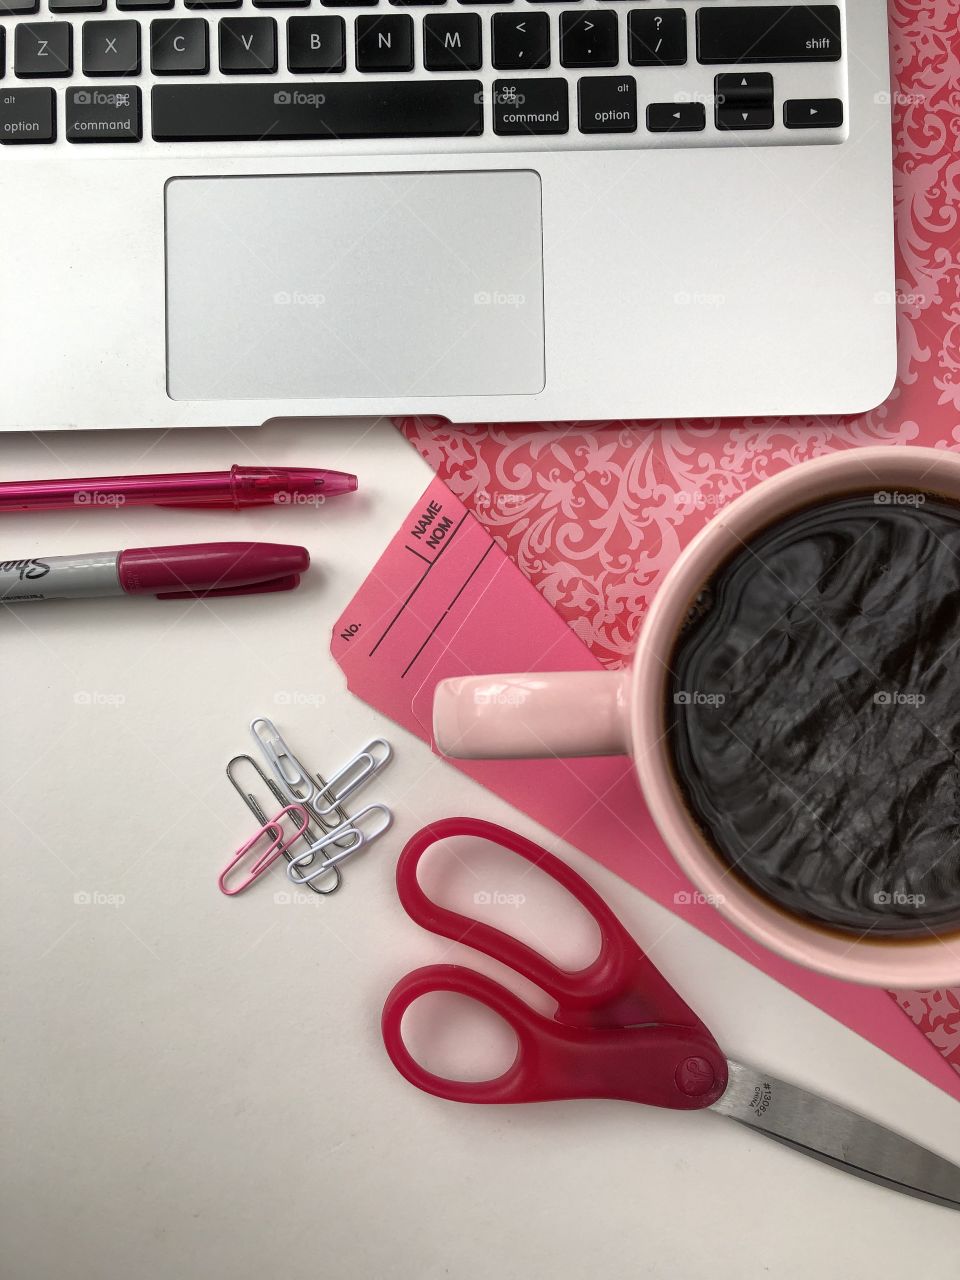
[(272, 831)]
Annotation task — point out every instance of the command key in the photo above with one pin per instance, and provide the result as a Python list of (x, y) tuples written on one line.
[(27, 115), (107, 113)]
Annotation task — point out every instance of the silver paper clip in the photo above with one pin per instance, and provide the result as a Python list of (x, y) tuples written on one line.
[(356, 773), (253, 804), (300, 785), (362, 829)]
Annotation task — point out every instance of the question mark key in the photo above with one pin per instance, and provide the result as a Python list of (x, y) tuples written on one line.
[(657, 37)]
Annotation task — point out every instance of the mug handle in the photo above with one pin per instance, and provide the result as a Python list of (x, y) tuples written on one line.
[(534, 714)]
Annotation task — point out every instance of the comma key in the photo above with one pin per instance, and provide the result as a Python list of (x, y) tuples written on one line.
[(27, 115)]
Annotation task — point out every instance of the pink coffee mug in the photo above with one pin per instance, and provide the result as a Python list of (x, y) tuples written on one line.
[(591, 713)]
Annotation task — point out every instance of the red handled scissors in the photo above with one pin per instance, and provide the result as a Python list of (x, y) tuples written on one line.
[(621, 1031)]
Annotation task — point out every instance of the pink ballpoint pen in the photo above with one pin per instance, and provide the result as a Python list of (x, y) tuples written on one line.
[(239, 487)]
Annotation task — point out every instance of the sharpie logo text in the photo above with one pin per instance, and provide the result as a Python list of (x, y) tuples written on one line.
[(25, 568)]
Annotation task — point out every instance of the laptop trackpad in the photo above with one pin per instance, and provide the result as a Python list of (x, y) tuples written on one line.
[(354, 285)]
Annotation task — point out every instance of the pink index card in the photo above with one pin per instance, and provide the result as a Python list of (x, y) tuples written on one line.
[(444, 600)]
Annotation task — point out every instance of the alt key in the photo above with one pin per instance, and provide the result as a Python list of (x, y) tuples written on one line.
[(607, 104)]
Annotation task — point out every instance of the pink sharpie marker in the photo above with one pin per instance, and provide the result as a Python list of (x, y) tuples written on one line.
[(237, 488), (170, 573)]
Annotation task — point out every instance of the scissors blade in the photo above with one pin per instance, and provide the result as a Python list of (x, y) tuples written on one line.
[(831, 1133)]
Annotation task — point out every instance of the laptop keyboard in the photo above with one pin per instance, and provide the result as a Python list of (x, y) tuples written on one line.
[(469, 73)]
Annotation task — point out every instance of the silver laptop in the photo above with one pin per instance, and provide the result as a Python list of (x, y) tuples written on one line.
[(218, 212)]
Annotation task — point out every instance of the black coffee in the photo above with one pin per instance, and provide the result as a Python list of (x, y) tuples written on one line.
[(814, 714)]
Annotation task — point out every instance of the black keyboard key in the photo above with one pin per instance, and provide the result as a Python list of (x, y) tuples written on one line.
[(357, 109), (103, 113), (76, 6), (316, 44), (607, 104), (179, 47), (744, 89), (521, 41), (769, 33), (385, 42), (248, 46), (530, 106), (213, 4), (144, 4), (3, 51), (20, 6), (657, 37), (43, 50), (452, 42), (349, 4), (813, 113), (27, 115), (676, 117), (589, 39), (413, 2), (281, 4), (744, 117), (111, 48)]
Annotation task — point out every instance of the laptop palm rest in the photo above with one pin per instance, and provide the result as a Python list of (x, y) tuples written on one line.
[(354, 285)]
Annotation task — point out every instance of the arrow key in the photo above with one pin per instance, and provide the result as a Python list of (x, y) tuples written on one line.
[(676, 117), (813, 113), (744, 117), (520, 40)]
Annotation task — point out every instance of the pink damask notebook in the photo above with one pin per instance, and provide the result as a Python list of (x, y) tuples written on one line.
[(593, 515)]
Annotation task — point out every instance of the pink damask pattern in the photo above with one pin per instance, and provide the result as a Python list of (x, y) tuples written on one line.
[(594, 515)]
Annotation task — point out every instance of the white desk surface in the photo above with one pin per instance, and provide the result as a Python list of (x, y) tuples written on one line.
[(195, 1086)]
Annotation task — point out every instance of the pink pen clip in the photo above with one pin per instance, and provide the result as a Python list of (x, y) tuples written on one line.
[(273, 851)]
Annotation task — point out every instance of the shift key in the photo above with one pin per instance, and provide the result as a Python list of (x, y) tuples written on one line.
[(769, 33), (27, 115)]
